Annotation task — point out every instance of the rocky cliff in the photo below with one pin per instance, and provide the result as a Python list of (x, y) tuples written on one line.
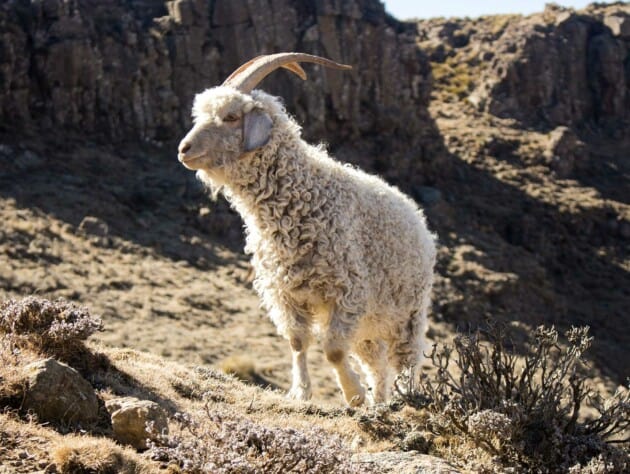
[(562, 67), (120, 69)]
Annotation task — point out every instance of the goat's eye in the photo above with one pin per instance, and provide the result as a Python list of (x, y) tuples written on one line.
[(230, 118)]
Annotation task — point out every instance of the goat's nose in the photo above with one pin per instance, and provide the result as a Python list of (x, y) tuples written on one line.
[(184, 147)]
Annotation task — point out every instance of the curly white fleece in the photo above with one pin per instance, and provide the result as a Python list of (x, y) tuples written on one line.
[(334, 248)]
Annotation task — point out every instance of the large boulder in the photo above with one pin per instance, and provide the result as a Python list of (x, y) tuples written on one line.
[(58, 394), (565, 152)]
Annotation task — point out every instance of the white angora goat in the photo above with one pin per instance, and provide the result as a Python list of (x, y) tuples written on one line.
[(336, 252)]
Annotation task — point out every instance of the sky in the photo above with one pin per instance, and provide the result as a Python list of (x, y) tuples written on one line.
[(403, 9)]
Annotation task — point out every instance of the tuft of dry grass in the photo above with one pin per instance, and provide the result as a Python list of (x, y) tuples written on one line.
[(454, 77), (241, 366), (78, 454)]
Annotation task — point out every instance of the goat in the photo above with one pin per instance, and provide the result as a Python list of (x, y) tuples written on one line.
[(336, 252)]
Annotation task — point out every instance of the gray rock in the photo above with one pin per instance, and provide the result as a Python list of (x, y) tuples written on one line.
[(28, 161), (57, 393), (129, 70), (134, 421), (404, 463), (93, 226), (427, 195), (565, 152), (416, 441)]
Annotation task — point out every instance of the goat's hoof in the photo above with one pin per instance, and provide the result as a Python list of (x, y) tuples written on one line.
[(357, 400), (300, 393)]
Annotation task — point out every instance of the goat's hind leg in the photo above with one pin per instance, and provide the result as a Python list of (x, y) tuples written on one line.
[(373, 357), (336, 349)]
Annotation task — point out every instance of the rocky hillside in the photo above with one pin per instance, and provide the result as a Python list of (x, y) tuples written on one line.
[(509, 130), (512, 132)]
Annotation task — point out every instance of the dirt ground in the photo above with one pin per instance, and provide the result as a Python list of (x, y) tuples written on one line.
[(130, 234)]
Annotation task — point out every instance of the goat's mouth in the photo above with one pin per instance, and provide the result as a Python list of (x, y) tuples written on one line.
[(191, 162)]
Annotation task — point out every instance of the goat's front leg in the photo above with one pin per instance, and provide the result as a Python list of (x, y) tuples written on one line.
[(301, 385), (336, 349)]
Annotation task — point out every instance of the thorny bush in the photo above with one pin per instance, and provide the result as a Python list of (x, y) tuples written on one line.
[(526, 414)]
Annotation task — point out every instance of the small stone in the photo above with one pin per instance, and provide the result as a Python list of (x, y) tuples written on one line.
[(57, 393), (134, 421), (427, 195), (415, 441), (96, 230)]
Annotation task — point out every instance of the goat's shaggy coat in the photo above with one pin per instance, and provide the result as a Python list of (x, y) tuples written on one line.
[(335, 251)]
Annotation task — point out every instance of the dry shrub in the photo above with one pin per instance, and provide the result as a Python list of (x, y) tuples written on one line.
[(11, 378), (55, 328), (210, 442), (524, 415), (77, 454)]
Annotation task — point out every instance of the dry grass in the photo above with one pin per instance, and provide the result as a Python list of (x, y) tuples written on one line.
[(79, 454), (453, 78), (226, 443), (489, 413), (498, 23), (241, 366)]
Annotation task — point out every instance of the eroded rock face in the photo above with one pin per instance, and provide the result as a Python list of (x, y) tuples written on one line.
[(129, 70), (57, 393), (134, 421), (562, 68)]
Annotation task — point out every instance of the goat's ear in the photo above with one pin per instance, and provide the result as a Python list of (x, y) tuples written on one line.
[(256, 129)]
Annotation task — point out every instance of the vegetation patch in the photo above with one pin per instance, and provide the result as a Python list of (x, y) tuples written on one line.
[(53, 327), (210, 441), (521, 413)]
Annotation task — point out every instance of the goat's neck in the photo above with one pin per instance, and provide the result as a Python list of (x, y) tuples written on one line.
[(260, 189)]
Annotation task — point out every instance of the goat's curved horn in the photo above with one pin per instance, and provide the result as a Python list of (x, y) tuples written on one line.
[(247, 76)]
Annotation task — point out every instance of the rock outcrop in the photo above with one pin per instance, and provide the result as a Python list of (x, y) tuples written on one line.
[(129, 70), (562, 67)]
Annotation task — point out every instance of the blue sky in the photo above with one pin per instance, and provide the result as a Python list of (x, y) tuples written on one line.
[(428, 9)]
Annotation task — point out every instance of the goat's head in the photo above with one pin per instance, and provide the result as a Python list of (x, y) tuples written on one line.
[(228, 121)]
